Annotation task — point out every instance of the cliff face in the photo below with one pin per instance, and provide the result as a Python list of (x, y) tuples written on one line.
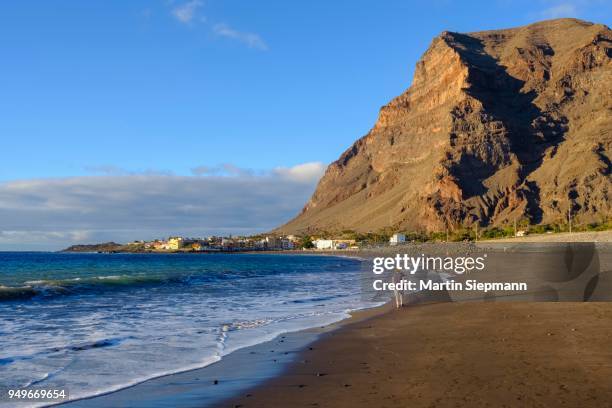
[(496, 125)]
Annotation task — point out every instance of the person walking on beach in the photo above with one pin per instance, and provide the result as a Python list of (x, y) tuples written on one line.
[(396, 278)]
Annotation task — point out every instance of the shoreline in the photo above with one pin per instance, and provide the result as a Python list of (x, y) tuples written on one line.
[(454, 354), (276, 373), (261, 361), (462, 353), (311, 321)]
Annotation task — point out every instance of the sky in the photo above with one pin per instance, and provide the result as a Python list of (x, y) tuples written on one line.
[(136, 120)]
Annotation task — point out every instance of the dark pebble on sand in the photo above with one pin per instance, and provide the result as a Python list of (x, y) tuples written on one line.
[(347, 385)]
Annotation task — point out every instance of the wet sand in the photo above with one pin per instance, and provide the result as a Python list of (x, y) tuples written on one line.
[(454, 355), (233, 375)]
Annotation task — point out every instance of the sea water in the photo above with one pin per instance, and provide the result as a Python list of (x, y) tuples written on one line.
[(94, 323)]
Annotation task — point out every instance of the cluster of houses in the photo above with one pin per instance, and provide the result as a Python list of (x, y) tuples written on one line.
[(395, 239), (218, 244), (267, 243), (226, 244), (331, 244)]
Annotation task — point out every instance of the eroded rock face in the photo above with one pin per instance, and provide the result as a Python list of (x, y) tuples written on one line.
[(496, 126)]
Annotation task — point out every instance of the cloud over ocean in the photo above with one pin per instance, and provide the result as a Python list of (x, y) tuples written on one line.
[(51, 213)]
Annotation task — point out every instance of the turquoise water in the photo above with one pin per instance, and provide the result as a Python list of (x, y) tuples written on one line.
[(94, 323)]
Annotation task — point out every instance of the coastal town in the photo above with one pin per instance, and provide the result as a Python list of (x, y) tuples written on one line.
[(217, 243), (343, 241), (222, 244), (229, 244)]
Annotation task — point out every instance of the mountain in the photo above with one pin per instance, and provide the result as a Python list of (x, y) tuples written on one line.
[(497, 126)]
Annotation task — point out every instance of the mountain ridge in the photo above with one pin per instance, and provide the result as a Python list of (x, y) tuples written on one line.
[(496, 125)]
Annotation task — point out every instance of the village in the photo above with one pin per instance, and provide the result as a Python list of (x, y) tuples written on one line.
[(213, 243), (342, 241), (218, 244), (236, 244), (281, 243), (257, 243)]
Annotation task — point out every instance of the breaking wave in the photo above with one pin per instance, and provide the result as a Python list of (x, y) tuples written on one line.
[(62, 287)]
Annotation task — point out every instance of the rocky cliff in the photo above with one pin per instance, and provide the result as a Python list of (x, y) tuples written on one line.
[(496, 126)]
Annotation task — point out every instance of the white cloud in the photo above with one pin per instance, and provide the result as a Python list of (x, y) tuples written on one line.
[(225, 169), (41, 237), (566, 8), (250, 39), (309, 172), (53, 213), (560, 10), (110, 170), (186, 12), (303, 173)]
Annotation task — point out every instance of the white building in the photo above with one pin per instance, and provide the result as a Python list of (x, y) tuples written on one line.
[(397, 238), (324, 243)]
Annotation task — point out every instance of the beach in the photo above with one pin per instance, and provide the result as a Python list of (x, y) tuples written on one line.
[(454, 354), (448, 347), (471, 352)]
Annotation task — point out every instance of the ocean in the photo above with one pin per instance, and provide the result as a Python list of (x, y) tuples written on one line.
[(95, 323)]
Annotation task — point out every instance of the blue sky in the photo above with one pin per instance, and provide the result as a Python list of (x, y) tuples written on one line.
[(214, 88), (89, 86)]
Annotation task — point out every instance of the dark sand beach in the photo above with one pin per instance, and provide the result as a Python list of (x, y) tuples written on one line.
[(441, 354), (234, 375), (454, 355)]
